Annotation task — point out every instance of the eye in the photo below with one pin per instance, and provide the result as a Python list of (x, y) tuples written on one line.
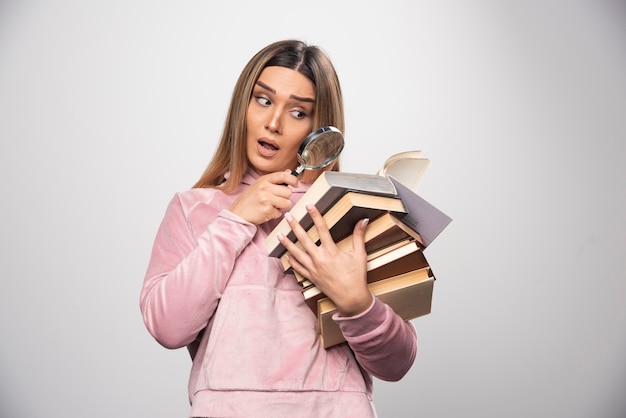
[(263, 101), (299, 114)]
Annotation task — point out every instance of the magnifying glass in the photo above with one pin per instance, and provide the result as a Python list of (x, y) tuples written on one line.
[(320, 148)]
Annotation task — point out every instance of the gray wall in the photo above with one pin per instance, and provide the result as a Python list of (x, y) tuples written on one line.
[(108, 108)]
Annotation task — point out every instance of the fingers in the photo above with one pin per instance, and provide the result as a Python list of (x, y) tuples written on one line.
[(301, 236), (358, 235), (340, 275), (283, 178), (266, 199), (296, 264), (320, 225), (274, 189), (323, 231), (275, 198)]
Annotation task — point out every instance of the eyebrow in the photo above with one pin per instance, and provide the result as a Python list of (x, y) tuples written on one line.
[(292, 96)]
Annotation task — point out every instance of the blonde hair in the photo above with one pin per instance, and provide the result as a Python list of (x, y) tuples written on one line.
[(311, 61)]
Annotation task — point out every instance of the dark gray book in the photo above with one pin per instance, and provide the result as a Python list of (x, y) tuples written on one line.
[(421, 216)]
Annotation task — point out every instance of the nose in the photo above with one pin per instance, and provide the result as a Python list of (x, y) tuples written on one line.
[(275, 121)]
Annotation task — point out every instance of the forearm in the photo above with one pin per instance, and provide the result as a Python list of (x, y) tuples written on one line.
[(384, 344), (185, 279)]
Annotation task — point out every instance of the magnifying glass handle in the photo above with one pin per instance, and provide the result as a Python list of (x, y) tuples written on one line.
[(297, 171)]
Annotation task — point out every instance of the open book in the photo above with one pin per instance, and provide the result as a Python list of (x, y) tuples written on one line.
[(407, 167)]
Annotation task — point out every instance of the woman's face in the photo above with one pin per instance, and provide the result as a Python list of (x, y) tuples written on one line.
[(280, 116)]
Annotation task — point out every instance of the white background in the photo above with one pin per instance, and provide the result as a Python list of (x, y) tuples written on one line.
[(108, 108)]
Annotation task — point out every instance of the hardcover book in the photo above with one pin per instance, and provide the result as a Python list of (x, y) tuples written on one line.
[(409, 295), (341, 217)]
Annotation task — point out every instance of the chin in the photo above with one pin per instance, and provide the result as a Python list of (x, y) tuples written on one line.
[(266, 167), (262, 169)]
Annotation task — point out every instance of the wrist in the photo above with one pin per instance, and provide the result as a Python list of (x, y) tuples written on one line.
[(356, 306)]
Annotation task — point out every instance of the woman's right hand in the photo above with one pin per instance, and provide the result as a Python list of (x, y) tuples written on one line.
[(266, 199)]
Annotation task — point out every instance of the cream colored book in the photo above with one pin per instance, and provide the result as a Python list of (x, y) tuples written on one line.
[(409, 295)]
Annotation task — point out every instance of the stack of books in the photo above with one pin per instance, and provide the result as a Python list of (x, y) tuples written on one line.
[(401, 226)]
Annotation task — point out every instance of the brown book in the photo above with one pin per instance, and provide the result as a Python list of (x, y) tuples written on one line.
[(408, 294), (381, 233), (401, 260), (327, 189)]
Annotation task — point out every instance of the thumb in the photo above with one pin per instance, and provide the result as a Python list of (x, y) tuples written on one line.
[(358, 235)]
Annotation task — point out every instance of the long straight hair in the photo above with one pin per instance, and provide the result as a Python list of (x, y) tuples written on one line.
[(310, 61)]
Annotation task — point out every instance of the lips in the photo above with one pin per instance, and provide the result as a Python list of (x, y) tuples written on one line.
[(267, 147)]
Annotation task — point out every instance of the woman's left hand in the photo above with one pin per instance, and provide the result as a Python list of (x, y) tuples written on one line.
[(340, 275)]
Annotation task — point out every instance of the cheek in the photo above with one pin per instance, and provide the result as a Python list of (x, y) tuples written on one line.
[(293, 147), (295, 143)]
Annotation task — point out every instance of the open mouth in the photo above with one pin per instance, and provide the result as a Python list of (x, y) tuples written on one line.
[(268, 146)]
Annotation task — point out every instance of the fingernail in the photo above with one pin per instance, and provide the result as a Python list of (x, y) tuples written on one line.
[(365, 222), (309, 207), (288, 216), (280, 236)]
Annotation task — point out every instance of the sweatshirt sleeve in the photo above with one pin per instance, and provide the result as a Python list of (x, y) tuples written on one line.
[(186, 276), (384, 344)]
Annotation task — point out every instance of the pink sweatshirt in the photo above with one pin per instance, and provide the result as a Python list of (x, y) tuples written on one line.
[(211, 287)]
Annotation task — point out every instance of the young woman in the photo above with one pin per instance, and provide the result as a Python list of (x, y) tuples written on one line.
[(211, 287)]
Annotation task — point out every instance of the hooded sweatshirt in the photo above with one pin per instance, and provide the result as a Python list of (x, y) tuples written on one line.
[(211, 287)]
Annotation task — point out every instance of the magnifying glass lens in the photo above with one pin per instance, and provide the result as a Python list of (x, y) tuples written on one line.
[(321, 148)]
